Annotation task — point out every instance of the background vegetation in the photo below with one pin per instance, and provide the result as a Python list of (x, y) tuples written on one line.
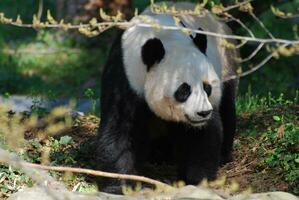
[(57, 64)]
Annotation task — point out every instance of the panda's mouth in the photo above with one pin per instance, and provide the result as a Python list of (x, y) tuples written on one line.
[(196, 122)]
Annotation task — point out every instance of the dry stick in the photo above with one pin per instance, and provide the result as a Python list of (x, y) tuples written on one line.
[(260, 46), (241, 24), (244, 26), (261, 25), (289, 17), (237, 37), (40, 9), (253, 69), (174, 28), (99, 173), (226, 36), (239, 173), (33, 171), (236, 5), (193, 13), (242, 43)]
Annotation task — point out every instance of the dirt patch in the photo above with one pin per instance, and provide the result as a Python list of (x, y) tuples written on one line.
[(245, 170)]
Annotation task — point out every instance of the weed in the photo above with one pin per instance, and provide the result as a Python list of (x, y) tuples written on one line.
[(272, 123), (90, 94)]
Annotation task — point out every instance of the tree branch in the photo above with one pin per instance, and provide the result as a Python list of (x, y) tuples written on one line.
[(262, 25), (40, 177), (100, 173), (260, 46), (255, 68)]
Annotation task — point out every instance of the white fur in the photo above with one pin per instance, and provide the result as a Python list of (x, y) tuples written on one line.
[(183, 62)]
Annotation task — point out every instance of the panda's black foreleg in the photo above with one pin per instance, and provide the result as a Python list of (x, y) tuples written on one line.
[(201, 152), (114, 154), (228, 116)]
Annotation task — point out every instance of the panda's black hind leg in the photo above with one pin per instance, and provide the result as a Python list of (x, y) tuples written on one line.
[(228, 117)]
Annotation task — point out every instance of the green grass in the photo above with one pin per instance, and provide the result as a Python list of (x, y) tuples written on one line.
[(250, 102), (49, 66), (272, 123)]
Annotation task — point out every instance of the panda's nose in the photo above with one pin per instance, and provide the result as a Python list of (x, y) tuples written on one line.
[(204, 114)]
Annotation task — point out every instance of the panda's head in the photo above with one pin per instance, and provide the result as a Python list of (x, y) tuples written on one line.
[(173, 74)]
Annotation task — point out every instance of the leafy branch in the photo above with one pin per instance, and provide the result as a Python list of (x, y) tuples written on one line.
[(276, 46)]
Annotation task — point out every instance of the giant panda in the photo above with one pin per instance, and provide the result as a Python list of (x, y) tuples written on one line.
[(167, 85)]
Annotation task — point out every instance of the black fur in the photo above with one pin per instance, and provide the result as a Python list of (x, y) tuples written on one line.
[(152, 52), (182, 93), (228, 116), (207, 88), (200, 40), (128, 133)]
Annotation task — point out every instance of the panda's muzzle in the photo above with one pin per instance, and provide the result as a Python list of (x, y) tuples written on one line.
[(202, 121), (204, 117), (204, 114)]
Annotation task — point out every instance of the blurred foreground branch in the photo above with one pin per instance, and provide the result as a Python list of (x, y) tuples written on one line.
[(35, 171)]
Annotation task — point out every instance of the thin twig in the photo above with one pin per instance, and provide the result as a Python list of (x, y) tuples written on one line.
[(239, 173), (289, 17), (100, 173), (40, 9), (226, 36), (262, 25), (126, 24), (193, 13), (31, 169), (260, 46), (242, 43), (241, 24), (236, 5), (253, 69)]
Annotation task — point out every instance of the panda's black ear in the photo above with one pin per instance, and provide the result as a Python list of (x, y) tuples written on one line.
[(200, 40), (152, 52)]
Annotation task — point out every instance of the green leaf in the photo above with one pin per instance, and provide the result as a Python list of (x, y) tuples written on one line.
[(65, 140), (276, 118)]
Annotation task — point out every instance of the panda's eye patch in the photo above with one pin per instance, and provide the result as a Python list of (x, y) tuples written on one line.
[(182, 93), (207, 88)]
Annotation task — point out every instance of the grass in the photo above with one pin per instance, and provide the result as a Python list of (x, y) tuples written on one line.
[(267, 143), (49, 65)]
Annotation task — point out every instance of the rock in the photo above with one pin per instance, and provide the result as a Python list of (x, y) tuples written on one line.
[(266, 196), (185, 193), (19, 103), (39, 193)]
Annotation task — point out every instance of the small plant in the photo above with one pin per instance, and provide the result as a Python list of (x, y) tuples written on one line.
[(38, 107), (61, 151), (6, 95), (90, 94), (269, 130), (281, 152), (251, 103)]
